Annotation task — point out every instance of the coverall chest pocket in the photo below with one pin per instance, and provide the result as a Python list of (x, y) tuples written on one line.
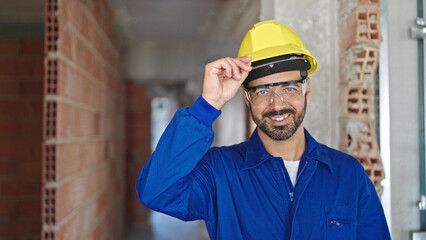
[(341, 222)]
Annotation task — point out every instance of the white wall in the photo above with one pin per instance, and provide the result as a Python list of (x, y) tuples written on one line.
[(403, 106)]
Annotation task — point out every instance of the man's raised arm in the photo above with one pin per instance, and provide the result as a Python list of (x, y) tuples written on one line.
[(177, 179)]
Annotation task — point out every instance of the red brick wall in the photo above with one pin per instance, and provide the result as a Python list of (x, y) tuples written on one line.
[(21, 94), (83, 124), (138, 149), (359, 41)]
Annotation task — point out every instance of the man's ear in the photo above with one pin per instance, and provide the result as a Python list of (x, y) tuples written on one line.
[(308, 88), (246, 98)]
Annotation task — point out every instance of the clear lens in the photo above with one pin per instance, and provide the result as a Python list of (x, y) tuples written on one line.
[(286, 91)]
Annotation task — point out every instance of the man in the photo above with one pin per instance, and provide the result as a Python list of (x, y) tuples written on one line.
[(281, 183)]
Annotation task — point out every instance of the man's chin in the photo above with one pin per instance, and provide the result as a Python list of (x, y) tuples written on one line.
[(280, 133)]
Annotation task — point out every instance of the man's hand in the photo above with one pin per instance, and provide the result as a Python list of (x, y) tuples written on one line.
[(222, 78)]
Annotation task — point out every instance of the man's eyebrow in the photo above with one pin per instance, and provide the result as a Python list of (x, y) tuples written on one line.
[(287, 83)]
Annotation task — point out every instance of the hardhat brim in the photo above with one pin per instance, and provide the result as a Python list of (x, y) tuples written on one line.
[(284, 50)]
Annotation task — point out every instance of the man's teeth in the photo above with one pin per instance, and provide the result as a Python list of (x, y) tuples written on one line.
[(280, 118)]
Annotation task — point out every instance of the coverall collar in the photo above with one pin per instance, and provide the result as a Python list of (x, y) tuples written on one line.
[(256, 153)]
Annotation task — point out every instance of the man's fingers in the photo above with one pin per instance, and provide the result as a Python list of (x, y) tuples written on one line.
[(234, 68), (239, 66), (245, 59), (220, 67), (226, 67), (244, 63)]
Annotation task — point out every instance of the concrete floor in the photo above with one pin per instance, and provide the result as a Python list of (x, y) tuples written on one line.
[(163, 227)]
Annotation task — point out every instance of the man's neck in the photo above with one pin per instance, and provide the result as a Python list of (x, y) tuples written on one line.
[(291, 149)]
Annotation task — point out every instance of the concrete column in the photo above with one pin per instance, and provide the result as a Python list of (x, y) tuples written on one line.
[(315, 23)]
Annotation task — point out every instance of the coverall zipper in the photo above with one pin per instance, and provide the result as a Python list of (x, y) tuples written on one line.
[(291, 192)]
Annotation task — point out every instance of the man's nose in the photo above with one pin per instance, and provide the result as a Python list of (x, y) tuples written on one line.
[(276, 100)]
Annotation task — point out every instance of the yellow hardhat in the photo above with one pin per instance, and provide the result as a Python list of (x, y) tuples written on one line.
[(269, 40)]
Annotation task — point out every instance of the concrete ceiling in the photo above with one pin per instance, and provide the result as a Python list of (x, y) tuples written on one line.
[(168, 40), (171, 21)]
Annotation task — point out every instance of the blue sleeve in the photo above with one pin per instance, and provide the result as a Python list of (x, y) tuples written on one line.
[(371, 220), (177, 179), (203, 111)]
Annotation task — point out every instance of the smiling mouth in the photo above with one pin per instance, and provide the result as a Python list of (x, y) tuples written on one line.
[(280, 118)]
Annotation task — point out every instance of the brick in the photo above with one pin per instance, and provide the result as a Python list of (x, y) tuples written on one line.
[(30, 168), (51, 77), (10, 87), (33, 87), (50, 119), (10, 47), (29, 129), (87, 28), (49, 164), (32, 47), (358, 102), (21, 67), (49, 207), (38, 68), (362, 65), (74, 14), (76, 192), (75, 121), (29, 208), (37, 108), (360, 137), (75, 157), (83, 55), (15, 68), (62, 77), (360, 27), (369, 3), (86, 221), (138, 111), (49, 235), (139, 130), (51, 34), (17, 108), (368, 29), (8, 128), (90, 5), (67, 43), (35, 228), (14, 228), (8, 168), (8, 208), (20, 188), (18, 148)]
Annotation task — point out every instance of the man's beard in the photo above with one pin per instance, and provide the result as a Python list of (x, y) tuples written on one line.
[(283, 132)]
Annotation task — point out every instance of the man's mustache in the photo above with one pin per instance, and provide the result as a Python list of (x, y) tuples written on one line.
[(280, 112)]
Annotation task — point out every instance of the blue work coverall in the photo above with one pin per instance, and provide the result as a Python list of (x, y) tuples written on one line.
[(243, 192)]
